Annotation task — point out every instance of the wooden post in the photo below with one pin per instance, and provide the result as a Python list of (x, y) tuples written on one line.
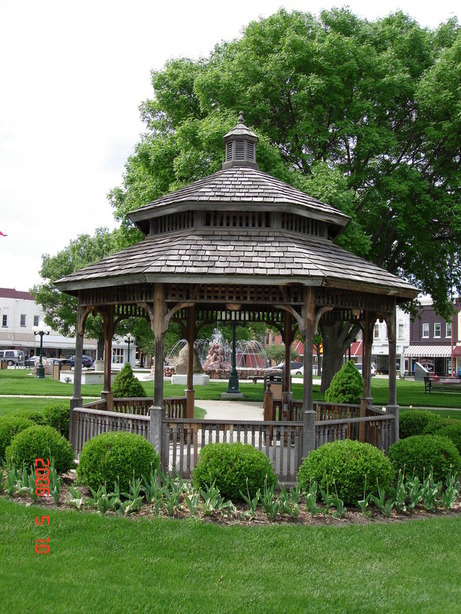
[(77, 400), (287, 340), (158, 328), (191, 332), (308, 334), (308, 432), (155, 431), (366, 371), (109, 328), (393, 408), (268, 405)]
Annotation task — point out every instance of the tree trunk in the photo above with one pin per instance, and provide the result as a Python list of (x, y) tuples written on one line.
[(100, 349), (337, 336)]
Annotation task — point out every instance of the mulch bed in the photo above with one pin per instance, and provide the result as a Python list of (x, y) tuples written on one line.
[(241, 516)]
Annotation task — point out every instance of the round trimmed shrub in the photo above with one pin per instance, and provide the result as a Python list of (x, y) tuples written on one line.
[(10, 426), (453, 432), (116, 456), (35, 417), (41, 442), (346, 386), (57, 416), (126, 384), (418, 423), (230, 465), (348, 467), (424, 454)]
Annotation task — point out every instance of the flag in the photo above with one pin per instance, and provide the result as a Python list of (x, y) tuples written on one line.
[(2, 235)]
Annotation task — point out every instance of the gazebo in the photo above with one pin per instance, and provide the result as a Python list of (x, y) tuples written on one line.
[(237, 246)]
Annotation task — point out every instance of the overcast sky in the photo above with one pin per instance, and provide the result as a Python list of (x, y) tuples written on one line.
[(72, 75)]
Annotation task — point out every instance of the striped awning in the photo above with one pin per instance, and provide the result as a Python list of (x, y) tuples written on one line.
[(428, 351)]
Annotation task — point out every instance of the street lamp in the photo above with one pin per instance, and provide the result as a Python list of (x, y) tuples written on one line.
[(129, 340), (41, 329)]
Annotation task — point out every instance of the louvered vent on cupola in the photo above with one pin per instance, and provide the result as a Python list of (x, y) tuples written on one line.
[(240, 144)]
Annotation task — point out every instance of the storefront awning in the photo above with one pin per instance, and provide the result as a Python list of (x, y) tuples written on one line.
[(457, 351), (428, 351)]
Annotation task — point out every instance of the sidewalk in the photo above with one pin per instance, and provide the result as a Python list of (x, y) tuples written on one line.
[(232, 410)]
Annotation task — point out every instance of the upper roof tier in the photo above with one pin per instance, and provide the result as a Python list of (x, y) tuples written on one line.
[(243, 189)]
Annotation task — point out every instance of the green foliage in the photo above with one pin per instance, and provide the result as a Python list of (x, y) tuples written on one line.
[(57, 416), (346, 468), (277, 353), (346, 386), (453, 432), (126, 385), (9, 427), (363, 115), (118, 456), (61, 309), (41, 442), (418, 423), (424, 454), (234, 468), (36, 417)]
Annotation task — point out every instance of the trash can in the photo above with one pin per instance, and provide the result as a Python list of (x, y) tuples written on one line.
[(3, 364)]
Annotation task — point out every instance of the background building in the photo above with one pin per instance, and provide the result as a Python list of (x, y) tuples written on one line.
[(434, 342), (18, 315)]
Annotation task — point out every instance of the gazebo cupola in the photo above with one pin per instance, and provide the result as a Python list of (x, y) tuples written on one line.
[(240, 145)]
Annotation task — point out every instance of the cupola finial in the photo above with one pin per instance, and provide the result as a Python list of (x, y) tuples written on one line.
[(240, 144)]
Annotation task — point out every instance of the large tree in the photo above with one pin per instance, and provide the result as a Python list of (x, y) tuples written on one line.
[(364, 115)]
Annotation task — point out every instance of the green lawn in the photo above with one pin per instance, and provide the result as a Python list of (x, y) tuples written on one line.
[(111, 564), (20, 381)]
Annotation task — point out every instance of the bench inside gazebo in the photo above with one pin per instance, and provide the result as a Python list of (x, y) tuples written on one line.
[(238, 246)]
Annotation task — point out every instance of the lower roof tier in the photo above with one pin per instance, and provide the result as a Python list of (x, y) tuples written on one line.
[(242, 257)]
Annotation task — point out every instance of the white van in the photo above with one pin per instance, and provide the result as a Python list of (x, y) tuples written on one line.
[(12, 357)]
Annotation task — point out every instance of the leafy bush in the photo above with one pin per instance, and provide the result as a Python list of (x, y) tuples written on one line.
[(57, 416), (424, 454), (453, 432), (346, 386), (9, 427), (418, 423), (348, 468), (41, 442), (230, 466), (126, 384), (36, 417), (112, 456)]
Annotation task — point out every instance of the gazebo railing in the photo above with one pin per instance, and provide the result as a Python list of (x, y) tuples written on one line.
[(140, 406), (323, 411)]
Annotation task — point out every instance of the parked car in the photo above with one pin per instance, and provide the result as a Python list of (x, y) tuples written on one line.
[(296, 368), (372, 370), (30, 362), (87, 361), (12, 357)]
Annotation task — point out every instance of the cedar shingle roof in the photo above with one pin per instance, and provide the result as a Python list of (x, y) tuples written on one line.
[(238, 256), (241, 185)]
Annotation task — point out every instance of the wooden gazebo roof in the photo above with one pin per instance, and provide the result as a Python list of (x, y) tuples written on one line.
[(239, 226)]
